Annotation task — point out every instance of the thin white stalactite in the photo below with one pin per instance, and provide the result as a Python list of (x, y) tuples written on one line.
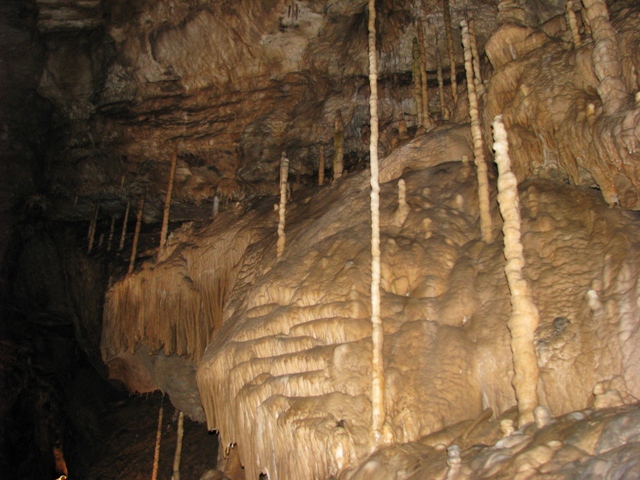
[(282, 210), (424, 91), (377, 336), (446, 15), (124, 225), (167, 202), (136, 236), (92, 227), (443, 107), (112, 229), (473, 42), (478, 142), (524, 317), (178, 454), (156, 453)]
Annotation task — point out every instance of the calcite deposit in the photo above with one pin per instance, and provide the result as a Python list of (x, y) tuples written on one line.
[(191, 116)]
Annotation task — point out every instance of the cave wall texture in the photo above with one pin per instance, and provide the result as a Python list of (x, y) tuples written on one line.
[(275, 353)]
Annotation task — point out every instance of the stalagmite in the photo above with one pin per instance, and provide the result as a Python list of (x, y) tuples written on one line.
[(216, 205), (452, 54), (478, 143), (124, 225), (473, 42), (136, 236), (606, 57), (443, 106), (424, 91), (573, 24), (403, 209), (167, 201), (338, 147), (377, 335), (524, 317), (112, 229), (178, 455), (321, 161), (284, 174), (156, 453), (416, 76), (92, 227)]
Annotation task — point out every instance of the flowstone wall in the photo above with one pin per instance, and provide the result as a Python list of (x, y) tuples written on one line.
[(286, 376)]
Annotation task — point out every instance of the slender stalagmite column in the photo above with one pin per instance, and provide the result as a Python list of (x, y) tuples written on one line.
[(443, 106), (573, 24), (178, 455), (136, 236), (167, 201), (92, 227), (284, 175), (124, 225), (478, 143), (424, 90), (321, 161), (377, 336), (452, 54), (156, 453), (524, 314), (338, 147), (606, 57), (112, 229), (417, 80), (473, 41)]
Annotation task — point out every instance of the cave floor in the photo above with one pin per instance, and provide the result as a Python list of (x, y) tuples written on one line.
[(129, 442)]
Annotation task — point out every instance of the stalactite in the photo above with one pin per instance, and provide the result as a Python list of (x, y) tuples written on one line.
[(473, 42), (524, 317), (92, 227), (424, 91), (167, 202), (377, 335), (284, 174), (452, 55), (178, 455), (156, 452), (606, 57), (416, 77), (321, 161), (112, 229), (478, 143), (443, 107), (338, 147), (124, 225), (573, 24), (216, 205), (136, 236)]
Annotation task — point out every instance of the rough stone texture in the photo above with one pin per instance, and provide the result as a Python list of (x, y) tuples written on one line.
[(292, 357)]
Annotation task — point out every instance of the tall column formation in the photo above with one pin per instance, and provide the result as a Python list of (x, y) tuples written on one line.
[(124, 225), (377, 335), (338, 147), (416, 76), (282, 212), (167, 201), (606, 57), (573, 24), (452, 54), (424, 91), (524, 314), (478, 142), (443, 107), (136, 236), (473, 42)]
